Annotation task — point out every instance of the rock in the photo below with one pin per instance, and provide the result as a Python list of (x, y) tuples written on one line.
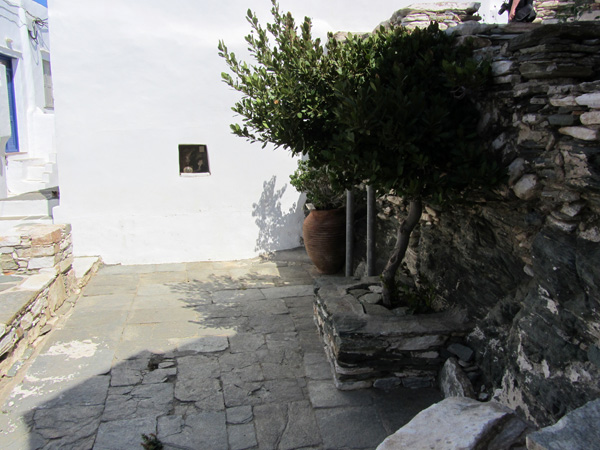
[(501, 67), (526, 187), (577, 430), (459, 422), (516, 169), (454, 382), (592, 100), (462, 351), (590, 118), (583, 133), (371, 298)]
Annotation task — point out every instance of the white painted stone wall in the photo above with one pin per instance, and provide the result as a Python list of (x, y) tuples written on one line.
[(5, 131), (134, 79), (35, 122)]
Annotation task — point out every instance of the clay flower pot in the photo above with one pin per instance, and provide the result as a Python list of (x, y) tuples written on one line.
[(324, 233)]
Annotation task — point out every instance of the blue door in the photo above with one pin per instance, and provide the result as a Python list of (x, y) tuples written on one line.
[(13, 143)]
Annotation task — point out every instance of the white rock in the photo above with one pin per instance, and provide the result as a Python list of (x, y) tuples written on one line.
[(525, 188), (590, 118), (592, 100), (501, 67), (563, 101), (583, 133)]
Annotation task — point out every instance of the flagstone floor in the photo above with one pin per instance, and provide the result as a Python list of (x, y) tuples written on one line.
[(208, 355)]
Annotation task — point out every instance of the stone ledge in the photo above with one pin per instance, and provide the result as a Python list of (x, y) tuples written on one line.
[(32, 301), (460, 422), (370, 349)]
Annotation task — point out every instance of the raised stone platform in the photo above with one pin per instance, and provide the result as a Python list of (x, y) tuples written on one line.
[(37, 287), (379, 348)]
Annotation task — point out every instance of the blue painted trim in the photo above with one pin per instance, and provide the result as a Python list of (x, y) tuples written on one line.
[(42, 2), (12, 146)]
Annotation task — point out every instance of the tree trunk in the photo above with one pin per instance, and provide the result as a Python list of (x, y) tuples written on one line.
[(404, 232)]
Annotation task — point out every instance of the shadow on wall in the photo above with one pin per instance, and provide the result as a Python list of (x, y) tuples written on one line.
[(277, 229)]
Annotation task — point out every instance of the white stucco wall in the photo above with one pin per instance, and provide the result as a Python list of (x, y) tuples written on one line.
[(5, 131), (134, 79), (35, 122)]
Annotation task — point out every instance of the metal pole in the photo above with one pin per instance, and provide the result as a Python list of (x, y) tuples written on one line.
[(370, 231), (349, 232)]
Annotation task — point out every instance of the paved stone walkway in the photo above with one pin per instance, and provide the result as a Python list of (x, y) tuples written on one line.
[(206, 356)]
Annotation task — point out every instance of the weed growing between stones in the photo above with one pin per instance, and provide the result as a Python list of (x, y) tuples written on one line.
[(151, 442)]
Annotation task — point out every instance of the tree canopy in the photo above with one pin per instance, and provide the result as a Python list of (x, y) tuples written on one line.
[(394, 109)]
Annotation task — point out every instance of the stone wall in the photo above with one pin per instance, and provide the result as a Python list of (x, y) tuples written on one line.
[(38, 277), (28, 249), (369, 345), (525, 261), (447, 14), (557, 11)]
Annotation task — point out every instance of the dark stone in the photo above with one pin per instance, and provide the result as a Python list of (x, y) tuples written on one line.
[(554, 265), (562, 120), (555, 33), (593, 355), (462, 351), (577, 430)]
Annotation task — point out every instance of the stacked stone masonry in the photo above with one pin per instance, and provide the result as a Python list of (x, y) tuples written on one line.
[(557, 11), (369, 345), (446, 14), (29, 249), (38, 278), (524, 260)]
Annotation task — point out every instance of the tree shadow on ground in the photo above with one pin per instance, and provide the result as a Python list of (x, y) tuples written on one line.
[(260, 363)]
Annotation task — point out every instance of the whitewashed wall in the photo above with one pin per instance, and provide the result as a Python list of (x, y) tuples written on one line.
[(134, 79), (35, 123)]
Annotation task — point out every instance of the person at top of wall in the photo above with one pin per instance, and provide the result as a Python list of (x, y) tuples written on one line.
[(519, 10)]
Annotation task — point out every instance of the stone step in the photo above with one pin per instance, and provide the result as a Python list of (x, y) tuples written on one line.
[(37, 203), (7, 223)]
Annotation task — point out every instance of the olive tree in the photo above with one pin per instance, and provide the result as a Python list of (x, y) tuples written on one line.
[(393, 109), (409, 121)]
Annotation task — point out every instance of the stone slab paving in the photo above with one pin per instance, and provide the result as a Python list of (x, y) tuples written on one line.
[(203, 355)]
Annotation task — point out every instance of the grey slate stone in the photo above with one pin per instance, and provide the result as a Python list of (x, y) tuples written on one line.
[(121, 434), (462, 351), (198, 431), (454, 382), (577, 430), (242, 436), (354, 427), (286, 426), (458, 422)]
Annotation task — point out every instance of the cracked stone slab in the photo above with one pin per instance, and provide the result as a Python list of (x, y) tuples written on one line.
[(68, 426), (260, 392), (289, 291), (122, 434), (239, 415), (286, 426), (149, 400), (196, 431), (242, 437), (351, 427)]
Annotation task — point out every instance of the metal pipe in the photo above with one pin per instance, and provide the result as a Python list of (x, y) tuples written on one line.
[(370, 231), (349, 232)]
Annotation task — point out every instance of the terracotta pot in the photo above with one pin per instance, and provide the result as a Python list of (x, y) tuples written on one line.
[(324, 234)]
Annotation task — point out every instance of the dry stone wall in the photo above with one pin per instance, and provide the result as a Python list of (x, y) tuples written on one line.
[(525, 261)]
